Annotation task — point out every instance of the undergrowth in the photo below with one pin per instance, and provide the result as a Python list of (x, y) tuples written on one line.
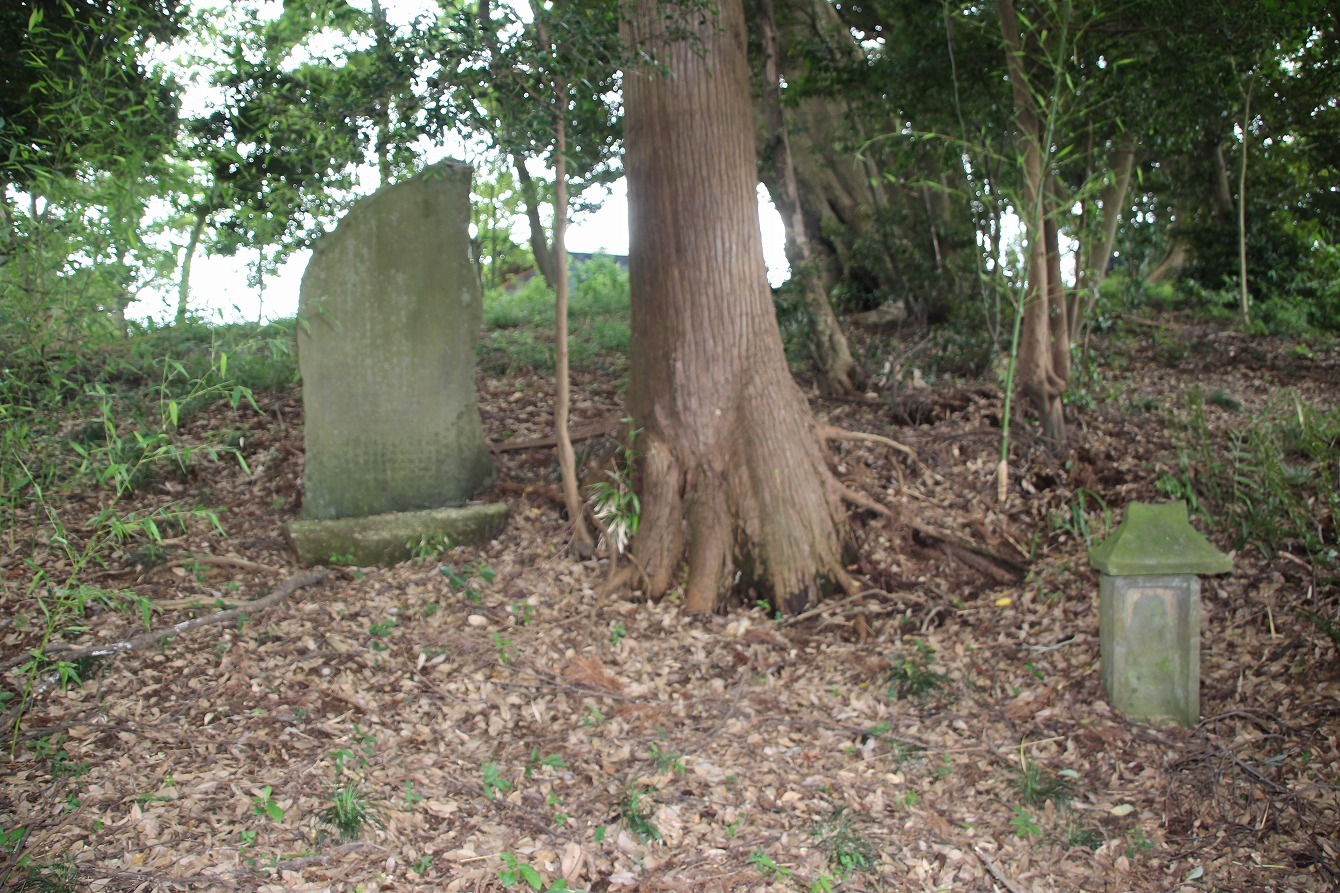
[(1271, 485), (519, 324), (105, 418)]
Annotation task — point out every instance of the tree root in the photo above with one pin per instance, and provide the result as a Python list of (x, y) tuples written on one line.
[(832, 432)]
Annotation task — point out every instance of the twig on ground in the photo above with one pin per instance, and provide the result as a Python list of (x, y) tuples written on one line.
[(997, 873), (834, 606), (224, 561), (281, 592)]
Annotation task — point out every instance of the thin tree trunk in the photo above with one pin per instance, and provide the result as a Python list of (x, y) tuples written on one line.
[(1040, 379), (734, 477), (1242, 209), (582, 544), (382, 110), (1098, 251), (837, 371), (184, 285), (1174, 259), (545, 257)]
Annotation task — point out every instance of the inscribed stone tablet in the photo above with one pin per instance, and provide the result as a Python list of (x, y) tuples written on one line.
[(390, 313)]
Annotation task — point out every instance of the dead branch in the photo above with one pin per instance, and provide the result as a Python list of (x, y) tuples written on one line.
[(224, 561), (1004, 570), (135, 643), (153, 637), (595, 429), (832, 607)]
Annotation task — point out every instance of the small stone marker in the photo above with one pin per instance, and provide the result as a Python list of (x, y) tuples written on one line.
[(1149, 611), (390, 312)]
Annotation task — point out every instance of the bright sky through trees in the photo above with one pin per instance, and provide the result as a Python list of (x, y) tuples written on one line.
[(223, 290)]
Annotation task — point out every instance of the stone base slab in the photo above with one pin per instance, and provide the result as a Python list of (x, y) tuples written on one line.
[(390, 538)]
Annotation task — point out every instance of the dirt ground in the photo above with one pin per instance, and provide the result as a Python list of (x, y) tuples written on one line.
[(504, 721)]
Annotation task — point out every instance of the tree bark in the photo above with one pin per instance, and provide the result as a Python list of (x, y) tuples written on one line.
[(837, 193), (733, 475), (1041, 372), (836, 370), (1174, 259)]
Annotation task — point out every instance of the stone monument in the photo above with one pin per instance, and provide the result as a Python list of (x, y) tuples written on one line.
[(389, 315), (1149, 611)]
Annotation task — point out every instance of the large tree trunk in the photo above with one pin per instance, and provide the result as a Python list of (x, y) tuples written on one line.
[(836, 370), (733, 473), (1044, 347)]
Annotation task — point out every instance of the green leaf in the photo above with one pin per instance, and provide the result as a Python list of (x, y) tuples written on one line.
[(36, 18), (530, 876)]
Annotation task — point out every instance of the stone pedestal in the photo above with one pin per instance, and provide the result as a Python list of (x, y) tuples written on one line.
[(1149, 612)]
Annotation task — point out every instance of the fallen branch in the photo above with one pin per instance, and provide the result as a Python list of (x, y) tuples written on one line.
[(831, 607), (596, 429), (1002, 569), (224, 561), (135, 643), (153, 637)]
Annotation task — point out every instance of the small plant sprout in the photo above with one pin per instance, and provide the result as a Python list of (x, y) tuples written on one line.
[(911, 676), (1038, 784), (769, 868), (349, 812), (848, 849), (665, 760), (514, 871), (426, 548), (1024, 824), (637, 809), (506, 648), (614, 502), (263, 804), (535, 761), (494, 783)]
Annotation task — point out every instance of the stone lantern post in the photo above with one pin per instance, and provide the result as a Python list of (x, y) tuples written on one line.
[(1149, 611)]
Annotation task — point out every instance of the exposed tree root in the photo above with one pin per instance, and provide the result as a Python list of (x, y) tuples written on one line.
[(832, 432)]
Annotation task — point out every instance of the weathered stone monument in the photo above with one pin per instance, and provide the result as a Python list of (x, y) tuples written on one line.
[(1149, 611), (390, 311)]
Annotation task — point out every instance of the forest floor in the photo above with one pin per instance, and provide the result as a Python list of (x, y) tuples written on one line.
[(495, 718)]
